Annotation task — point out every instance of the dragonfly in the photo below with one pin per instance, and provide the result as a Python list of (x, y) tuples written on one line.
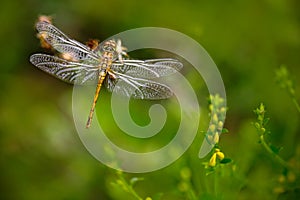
[(106, 64)]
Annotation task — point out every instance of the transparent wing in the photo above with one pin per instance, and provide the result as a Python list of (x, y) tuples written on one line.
[(63, 44), (149, 69), (138, 88), (71, 72)]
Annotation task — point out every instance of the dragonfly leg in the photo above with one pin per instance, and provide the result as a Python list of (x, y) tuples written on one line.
[(99, 84), (121, 51)]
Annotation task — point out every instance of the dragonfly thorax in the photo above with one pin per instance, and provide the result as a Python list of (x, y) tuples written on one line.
[(109, 50)]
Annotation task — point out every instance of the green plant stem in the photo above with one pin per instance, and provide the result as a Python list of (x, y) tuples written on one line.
[(215, 184), (192, 195), (277, 158), (216, 174), (135, 194), (296, 103), (132, 191), (130, 188)]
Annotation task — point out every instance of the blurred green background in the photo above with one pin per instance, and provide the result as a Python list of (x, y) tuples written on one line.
[(41, 153)]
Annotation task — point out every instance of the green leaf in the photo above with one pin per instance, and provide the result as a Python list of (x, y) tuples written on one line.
[(266, 120), (225, 161), (225, 130), (275, 149)]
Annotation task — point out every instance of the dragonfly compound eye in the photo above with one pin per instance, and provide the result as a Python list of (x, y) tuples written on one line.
[(109, 46)]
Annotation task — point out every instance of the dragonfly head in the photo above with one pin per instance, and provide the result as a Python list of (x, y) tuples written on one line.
[(109, 46)]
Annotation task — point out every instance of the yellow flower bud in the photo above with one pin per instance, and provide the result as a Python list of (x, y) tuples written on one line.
[(211, 107), (212, 127), (220, 124), (291, 177), (220, 155), (223, 110), (221, 100), (278, 190), (183, 186), (212, 161), (281, 179), (185, 173), (210, 138), (216, 138), (215, 118)]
